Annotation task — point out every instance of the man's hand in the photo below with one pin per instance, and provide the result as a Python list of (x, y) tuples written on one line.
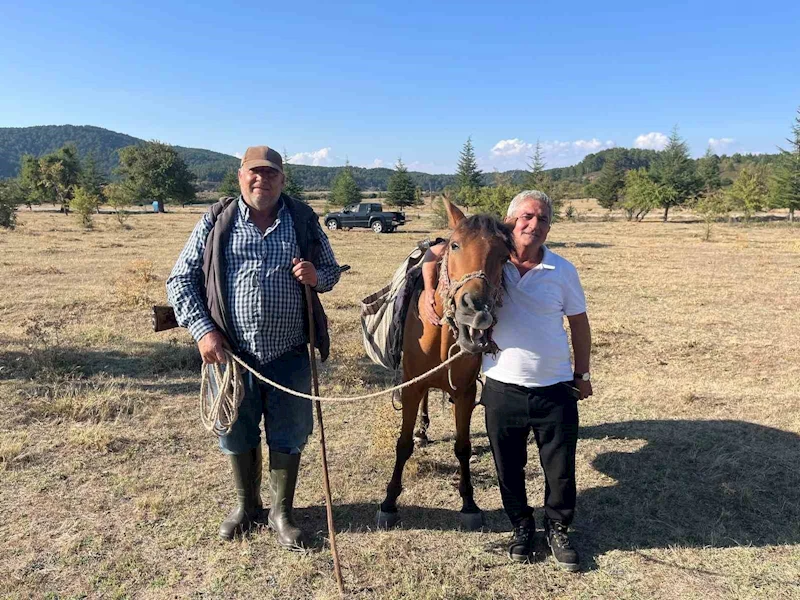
[(212, 347), (429, 307), (585, 388), (304, 272)]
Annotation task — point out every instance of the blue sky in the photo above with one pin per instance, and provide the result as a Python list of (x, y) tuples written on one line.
[(371, 82)]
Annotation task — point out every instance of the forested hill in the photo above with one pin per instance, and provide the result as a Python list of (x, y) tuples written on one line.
[(210, 167), (102, 144)]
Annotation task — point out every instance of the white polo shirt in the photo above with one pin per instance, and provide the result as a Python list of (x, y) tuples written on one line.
[(534, 351)]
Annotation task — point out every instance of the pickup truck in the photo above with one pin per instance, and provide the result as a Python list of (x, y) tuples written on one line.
[(366, 214)]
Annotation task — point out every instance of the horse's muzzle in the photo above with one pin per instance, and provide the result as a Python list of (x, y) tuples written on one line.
[(473, 330)]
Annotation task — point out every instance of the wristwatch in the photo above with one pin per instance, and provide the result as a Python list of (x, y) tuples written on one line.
[(582, 376)]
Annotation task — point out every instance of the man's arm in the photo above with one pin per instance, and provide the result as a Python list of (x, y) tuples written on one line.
[(186, 294), (327, 271), (430, 279), (581, 334)]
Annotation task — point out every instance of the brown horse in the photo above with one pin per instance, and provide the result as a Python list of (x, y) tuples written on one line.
[(468, 293)]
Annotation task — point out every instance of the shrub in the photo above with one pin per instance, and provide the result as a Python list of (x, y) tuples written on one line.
[(137, 286), (84, 203)]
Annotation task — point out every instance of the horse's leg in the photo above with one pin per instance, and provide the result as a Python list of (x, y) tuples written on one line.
[(423, 422), (471, 515), (387, 514)]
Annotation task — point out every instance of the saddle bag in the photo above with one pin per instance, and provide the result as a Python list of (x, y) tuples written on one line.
[(383, 313)]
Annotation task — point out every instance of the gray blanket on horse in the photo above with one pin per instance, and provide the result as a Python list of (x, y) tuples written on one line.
[(383, 314)]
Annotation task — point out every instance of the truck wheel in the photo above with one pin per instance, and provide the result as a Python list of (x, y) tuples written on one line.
[(377, 226), (332, 224)]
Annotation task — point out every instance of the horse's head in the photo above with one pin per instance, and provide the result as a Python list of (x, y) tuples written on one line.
[(471, 276)]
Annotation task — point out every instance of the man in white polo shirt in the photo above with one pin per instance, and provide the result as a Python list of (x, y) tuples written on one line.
[(531, 383)]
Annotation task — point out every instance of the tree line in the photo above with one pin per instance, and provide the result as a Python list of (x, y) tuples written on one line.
[(640, 181), (150, 171), (637, 181)]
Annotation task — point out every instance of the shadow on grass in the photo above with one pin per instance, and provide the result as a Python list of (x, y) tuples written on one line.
[(361, 517), (694, 484)]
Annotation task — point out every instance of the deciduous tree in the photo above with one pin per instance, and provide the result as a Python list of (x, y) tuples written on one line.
[(748, 193), (11, 196), (641, 194), (120, 198), (84, 203), (155, 171)]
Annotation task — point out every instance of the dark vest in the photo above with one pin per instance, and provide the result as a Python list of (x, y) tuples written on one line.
[(306, 227)]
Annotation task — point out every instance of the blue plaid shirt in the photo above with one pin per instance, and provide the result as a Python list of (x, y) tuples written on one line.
[(265, 299)]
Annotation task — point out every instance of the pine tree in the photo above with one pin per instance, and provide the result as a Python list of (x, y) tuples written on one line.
[(291, 185), (609, 184), (229, 186), (674, 169), (344, 190), (708, 169), (91, 179), (402, 191), (786, 179), (536, 178), (469, 178)]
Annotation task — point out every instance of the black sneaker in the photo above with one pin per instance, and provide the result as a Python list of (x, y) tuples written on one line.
[(566, 556), (521, 546)]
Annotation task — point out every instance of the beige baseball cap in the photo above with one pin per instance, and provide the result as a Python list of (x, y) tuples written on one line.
[(262, 156)]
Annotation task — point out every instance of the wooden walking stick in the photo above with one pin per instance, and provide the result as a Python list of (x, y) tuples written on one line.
[(328, 501)]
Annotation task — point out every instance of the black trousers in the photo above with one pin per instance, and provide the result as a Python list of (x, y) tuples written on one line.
[(512, 411)]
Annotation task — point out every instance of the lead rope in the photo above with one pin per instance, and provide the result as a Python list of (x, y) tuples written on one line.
[(219, 415)]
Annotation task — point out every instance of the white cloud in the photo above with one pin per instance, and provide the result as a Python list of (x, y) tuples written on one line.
[(512, 147), (593, 145), (720, 145), (376, 164), (321, 157), (238, 155), (654, 140), (515, 153)]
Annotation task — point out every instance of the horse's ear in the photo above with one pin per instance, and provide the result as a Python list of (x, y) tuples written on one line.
[(454, 214)]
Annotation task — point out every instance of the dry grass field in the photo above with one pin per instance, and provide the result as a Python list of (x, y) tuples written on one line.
[(688, 463)]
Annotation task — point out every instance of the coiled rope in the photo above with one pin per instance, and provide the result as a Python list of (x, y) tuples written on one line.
[(219, 415)]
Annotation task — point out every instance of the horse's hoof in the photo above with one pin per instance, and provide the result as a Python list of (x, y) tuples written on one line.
[(387, 520), (471, 521)]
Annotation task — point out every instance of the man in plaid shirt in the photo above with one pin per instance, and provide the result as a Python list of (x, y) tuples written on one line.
[(238, 283)]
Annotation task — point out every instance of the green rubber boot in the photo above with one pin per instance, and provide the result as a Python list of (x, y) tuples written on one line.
[(261, 515), (283, 469), (245, 468)]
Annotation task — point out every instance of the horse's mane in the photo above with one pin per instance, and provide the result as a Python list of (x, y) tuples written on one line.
[(487, 225)]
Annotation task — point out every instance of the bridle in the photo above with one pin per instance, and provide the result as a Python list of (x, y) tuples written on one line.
[(447, 292)]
